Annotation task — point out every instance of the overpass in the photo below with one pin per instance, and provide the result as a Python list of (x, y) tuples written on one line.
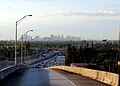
[(46, 77), (21, 75)]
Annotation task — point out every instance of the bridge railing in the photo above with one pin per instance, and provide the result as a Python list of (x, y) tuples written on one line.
[(102, 76), (5, 64), (6, 71)]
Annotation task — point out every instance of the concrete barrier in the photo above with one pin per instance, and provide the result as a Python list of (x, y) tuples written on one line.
[(102, 76), (5, 72)]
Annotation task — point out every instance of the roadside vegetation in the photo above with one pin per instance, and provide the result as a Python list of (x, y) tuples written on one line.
[(97, 55), (100, 56)]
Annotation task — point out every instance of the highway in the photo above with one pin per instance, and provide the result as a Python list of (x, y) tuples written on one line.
[(47, 77)]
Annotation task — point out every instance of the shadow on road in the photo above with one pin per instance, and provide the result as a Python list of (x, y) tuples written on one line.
[(27, 77)]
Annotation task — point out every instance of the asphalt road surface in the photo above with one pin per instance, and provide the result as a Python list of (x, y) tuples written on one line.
[(47, 77)]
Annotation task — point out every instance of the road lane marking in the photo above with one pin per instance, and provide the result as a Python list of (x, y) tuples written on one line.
[(66, 79)]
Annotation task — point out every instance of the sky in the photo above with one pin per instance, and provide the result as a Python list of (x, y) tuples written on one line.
[(88, 19)]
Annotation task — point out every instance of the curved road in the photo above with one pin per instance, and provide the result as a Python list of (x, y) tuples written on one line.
[(47, 77)]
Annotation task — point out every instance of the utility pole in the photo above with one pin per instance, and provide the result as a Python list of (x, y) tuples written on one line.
[(118, 59)]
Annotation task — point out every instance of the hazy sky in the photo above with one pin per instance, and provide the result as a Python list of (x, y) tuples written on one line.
[(88, 19)]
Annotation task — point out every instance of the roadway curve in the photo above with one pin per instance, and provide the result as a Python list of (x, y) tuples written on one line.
[(47, 77)]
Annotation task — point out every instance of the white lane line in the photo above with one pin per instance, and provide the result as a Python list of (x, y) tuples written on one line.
[(66, 79)]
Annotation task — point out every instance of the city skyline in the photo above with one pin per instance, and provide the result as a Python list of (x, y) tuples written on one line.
[(91, 19), (51, 38)]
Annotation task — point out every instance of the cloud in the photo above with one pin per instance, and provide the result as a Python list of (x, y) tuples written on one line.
[(90, 13), (77, 15), (9, 8), (43, 0), (111, 12)]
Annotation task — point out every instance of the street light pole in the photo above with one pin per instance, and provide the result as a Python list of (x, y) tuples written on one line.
[(17, 22), (22, 45), (21, 49), (16, 45)]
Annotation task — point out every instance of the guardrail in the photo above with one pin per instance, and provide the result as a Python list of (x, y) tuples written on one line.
[(6, 71), (5, 64), (102, 76)]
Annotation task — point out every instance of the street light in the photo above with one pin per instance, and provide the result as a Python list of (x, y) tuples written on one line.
[(22, 44), (17, 22)]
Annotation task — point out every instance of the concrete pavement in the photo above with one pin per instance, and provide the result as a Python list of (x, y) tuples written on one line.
[(46, 77)]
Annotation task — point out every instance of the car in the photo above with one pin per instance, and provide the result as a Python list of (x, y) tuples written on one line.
[(37, 67), (44, 55)]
